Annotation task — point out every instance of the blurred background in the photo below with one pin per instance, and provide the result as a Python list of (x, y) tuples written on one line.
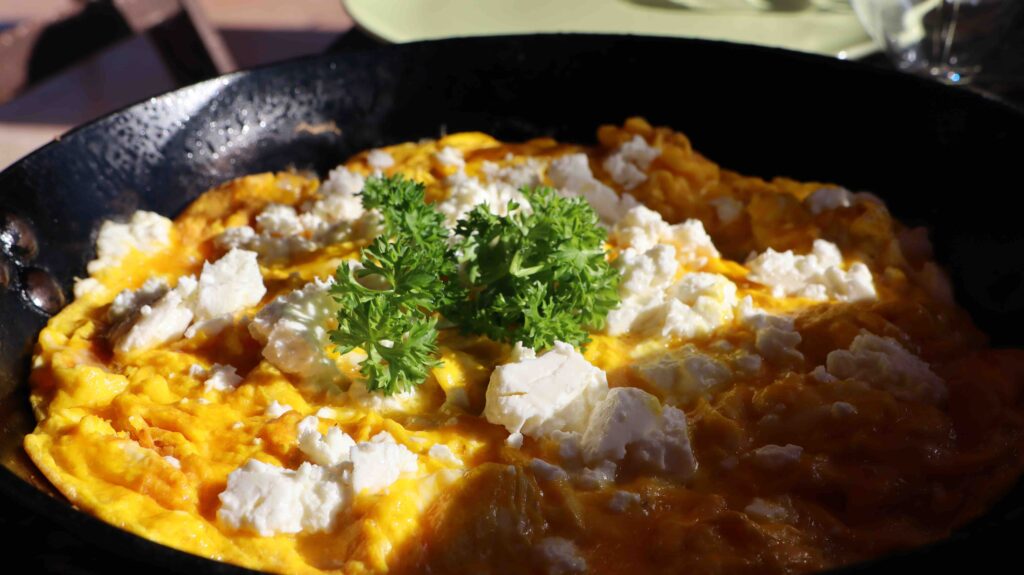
[(64, 62)]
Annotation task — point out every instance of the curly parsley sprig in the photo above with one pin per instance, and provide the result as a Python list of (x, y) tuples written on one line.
[(536, 275)]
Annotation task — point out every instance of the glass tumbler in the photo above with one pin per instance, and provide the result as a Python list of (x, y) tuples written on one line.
[(945, 39)]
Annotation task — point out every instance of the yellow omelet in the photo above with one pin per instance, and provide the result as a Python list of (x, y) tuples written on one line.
[(836, 405)]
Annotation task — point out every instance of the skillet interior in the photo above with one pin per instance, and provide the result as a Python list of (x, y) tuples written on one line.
[(941, 157)]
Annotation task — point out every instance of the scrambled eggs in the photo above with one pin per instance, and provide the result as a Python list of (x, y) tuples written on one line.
[(785, 386)]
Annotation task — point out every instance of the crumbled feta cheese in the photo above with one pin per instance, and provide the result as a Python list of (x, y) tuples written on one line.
[(140, 325), (686, 373), (449, 156), (843, 409), (885, 364), (443, 453), (146, 232), (560, 556), (521, 353), (727, 209), (466, 192), (517, 175), (763, 509), (285, 231), (553, 391), (293, 329), (327, 450), (380, 159), (270, 500), (343, 182), (572, 176), (748, 363), (628, 165), (818, 275), (623, 500), (775, 337), (378, 463), (774, 457), (279, 220), (822, 375), (404, 401), (222, 378), (646, 272), (514, 440), (827, 199), (694, 306), (642, 228), (547, 471), (632, 420), (276, 409), (596, 477), (229, 285)]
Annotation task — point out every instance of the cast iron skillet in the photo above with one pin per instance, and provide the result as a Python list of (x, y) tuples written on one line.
[(938, 156)]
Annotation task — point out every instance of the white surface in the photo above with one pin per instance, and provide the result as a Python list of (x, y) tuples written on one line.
[(821, 32)]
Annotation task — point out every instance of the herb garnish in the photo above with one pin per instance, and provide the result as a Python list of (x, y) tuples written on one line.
[(536, 275)]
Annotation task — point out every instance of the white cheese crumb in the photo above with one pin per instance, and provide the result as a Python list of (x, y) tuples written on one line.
[(146, 232), (843, 409), (229, 285), (402, 402), (327, 450), (293, 330), (547, 471), (443, 453), (597, 477), (763, 509), (326, 413), (775, 457), (275, 409), (827, 199), (646, 272), (686, 373), (378, 463), (554, 391), (642, 228), (727, 209), (694, 306), (817, 275), (285, 231), (628, 165), (885, 364), (86, 286), (630, 420), (466, 192), (623, 500), (139, 322), (572, 176), (514, 440), (822, 375), (279, 220), (380, 159), (560, 556), (270, 500), (449, 156), (222, 378), (775, 337)]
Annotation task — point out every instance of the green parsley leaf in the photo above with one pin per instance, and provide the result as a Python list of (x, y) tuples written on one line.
[(535, 276)]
